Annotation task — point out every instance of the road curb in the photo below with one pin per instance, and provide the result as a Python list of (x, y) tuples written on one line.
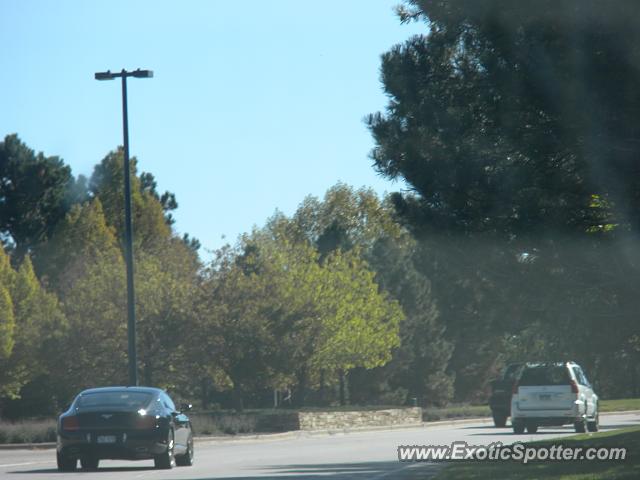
[(266, 437), (28, 446), (262, 437)]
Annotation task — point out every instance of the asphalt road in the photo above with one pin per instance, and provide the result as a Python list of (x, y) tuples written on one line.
[(358, 455)]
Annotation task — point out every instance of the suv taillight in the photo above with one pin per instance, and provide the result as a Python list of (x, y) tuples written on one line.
[(574, 386), (70, 423)]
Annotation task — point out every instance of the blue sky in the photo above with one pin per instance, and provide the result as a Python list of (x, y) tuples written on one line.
[(253, 106)]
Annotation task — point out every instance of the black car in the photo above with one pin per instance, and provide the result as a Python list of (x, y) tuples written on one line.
[(131, 423)]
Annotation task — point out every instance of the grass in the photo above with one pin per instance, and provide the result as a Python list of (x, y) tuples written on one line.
[(575, 470), (28, 431), (620, 405), (473, 411)]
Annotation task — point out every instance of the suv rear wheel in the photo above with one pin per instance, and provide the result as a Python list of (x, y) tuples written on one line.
[(593, 425), (89, 462)]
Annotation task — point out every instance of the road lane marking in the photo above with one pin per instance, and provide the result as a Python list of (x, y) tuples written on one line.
[(395, 471), (2, 465)]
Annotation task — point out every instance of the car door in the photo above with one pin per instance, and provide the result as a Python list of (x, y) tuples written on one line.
[(180, 424)]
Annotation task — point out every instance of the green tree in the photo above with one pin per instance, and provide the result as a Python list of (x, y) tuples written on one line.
[(420, 365), (83, 263), (166, 291), (7, 319), (521, 162), (95, 306), (236, 338), (81, 238), (334, 318), (33, 325), (343, 219), (35, 194), (7, 323), (273, 314), (38, 350), (151, 227), (347, 218)]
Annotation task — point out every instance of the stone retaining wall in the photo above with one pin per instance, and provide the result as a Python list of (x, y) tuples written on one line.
[(358, 419), (284, 421)]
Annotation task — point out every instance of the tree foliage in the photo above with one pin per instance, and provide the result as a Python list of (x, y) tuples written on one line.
[(36, 192), (282, 316), (32, 325), (508, 118), (107, 184), (513, 124)]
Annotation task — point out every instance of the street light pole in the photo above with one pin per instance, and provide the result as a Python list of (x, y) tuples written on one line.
[(128, 222)]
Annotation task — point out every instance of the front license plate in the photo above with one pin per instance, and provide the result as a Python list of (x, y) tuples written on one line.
[(106, 439), (545, 397)]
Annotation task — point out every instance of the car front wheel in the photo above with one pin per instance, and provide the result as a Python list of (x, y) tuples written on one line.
[(186, 460), (499, 420)]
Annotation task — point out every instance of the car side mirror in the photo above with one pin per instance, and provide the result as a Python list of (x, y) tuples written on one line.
[(185, 407)]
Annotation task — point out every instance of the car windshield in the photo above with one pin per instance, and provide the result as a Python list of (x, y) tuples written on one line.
[(545, 375), (118, 399)]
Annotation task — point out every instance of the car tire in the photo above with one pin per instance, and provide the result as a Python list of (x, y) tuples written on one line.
[(594, 424), (500, 421), (186, 460), (532, 428), (580, 426), (518, 428), (66, 464), (167, 460), (89, 463)]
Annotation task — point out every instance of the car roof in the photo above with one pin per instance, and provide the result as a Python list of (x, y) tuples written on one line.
[(122, 389)]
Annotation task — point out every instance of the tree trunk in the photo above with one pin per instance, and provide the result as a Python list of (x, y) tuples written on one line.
[(343, 387), (238, 401), (323, 389), (147, 374), (204, 393), (301, 391)]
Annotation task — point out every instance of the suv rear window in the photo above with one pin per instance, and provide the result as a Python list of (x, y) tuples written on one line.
[(133, 400), (545, 375)]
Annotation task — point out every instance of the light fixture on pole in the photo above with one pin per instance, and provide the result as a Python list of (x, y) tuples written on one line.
[(128, 223)]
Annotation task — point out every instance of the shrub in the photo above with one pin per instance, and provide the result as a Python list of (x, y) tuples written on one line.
[(28, 431)]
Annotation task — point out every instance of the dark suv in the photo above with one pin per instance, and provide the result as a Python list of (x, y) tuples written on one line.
[(501, 388)]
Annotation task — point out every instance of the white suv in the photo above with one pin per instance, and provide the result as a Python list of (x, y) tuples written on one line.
[(553, 394)]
